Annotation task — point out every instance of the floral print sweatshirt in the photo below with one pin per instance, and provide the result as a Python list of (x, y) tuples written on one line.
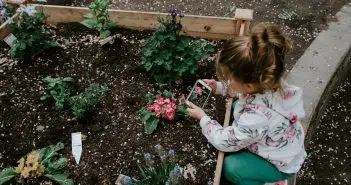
[(266, 124)]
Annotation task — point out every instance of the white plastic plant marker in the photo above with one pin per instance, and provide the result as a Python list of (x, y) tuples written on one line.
[(10, 39), (109, 39), (77, 146)]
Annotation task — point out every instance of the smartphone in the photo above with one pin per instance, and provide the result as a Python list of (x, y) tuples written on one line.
[(199, 94)]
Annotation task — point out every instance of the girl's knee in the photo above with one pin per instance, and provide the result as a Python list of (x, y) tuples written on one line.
[(231, 168)]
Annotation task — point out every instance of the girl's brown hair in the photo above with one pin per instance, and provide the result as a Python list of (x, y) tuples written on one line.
[(256, 59)]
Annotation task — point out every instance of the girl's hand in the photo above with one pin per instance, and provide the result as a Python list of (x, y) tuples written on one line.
[(212, 83), (195, 111)]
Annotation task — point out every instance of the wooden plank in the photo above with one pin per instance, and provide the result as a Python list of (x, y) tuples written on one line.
[(197, 26), (247, 27), (4, 29), (237, 26), (220, 158)]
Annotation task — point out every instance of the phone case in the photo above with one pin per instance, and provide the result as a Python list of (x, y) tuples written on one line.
[(199, 93)]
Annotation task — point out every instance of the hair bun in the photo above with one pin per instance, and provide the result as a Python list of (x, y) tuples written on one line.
[(270, 34)]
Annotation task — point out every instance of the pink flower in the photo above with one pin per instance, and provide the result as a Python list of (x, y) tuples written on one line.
[(173, 105), (170, 115), (160, 100), (158, 109), (151, 107), (198, 91), (170, 107), (167, 100), (293, 118)]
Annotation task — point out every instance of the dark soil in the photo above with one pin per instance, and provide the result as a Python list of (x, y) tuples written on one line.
[(302, 20), (329, 150), (115, 138)]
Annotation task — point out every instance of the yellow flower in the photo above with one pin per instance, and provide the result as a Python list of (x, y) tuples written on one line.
[(20, 166), (32, 167), (33, 160), (40, 169), (25, 173)]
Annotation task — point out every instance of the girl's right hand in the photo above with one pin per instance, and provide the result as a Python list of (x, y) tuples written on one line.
[(212, 83)]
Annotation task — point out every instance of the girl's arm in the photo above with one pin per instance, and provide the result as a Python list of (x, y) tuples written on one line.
[(250, 128), (221, 89)]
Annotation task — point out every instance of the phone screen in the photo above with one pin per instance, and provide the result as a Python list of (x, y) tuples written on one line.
[(199, 94)]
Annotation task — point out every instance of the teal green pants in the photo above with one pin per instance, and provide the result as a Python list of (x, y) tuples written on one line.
[(246, 168)]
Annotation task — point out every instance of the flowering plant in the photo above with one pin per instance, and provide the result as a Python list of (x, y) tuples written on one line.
[(167, 172), (168, 55), (160, 108), (31, 37), (38, 163)]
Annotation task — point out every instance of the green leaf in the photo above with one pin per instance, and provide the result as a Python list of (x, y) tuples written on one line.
[(147, 52), (44, 97), (181, 111), (89, 16), (92, 6), (167, 94), (7, 174), (105, 33), (151, 125), (58, 164), (148, 66), (89, 23), (60, 178), (110, 24), (149, 98), (146, 115), (48, 152)]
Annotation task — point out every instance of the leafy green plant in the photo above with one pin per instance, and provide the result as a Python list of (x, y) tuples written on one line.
[(99, 18), (160, 108), (169, 56), (59, 90), (167, 172), (31, 37), (44, 162), (85, 101)]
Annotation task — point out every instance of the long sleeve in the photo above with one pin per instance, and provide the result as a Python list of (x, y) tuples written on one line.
[(247, 130), (221, 89)]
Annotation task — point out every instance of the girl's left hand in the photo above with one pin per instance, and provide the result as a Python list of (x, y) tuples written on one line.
[(195, 111)]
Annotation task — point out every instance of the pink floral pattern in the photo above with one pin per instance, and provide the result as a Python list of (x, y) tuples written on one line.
[(293, 118), (289, 93), (291, 134), (253, 148)]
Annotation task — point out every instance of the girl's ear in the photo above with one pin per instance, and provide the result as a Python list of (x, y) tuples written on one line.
[(250, 88)]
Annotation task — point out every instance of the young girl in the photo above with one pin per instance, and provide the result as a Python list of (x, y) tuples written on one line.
[(266, 135)]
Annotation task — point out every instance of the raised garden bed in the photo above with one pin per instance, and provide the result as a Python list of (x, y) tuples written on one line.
[(115, 139)]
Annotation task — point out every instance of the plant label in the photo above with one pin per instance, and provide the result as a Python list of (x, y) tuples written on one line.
[(104, 41), (124, 180), (77, 146), (10, 39)]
